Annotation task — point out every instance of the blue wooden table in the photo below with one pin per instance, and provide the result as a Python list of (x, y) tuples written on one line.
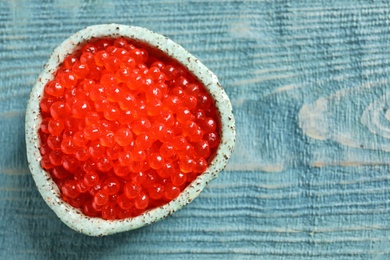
[(309, 83)]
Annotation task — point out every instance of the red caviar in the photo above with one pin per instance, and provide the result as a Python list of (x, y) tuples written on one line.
[(125, 129)]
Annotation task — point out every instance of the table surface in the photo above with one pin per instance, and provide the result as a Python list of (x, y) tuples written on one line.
[(308, 81)]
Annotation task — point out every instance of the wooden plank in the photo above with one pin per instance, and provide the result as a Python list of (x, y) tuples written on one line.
[(308, 82)]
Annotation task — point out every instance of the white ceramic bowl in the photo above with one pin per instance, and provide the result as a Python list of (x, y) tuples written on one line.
[(49, 190)]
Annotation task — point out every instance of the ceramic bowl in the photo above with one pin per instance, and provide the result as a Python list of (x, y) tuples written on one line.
[(73, 217)]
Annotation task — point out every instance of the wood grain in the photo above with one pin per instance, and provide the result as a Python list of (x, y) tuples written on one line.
[(308, 80)]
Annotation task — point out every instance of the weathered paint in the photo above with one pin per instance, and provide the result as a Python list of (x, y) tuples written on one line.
[(284, 194)]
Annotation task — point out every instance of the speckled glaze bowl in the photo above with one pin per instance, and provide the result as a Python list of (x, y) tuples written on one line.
[(49, 190)]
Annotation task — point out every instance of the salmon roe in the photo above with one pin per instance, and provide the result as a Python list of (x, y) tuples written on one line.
[(125, 129)]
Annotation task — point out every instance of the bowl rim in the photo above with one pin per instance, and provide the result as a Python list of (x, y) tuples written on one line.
[(73, 217)]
